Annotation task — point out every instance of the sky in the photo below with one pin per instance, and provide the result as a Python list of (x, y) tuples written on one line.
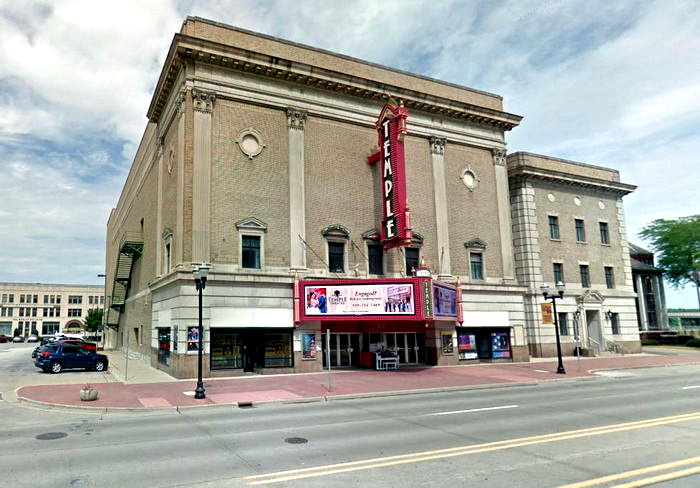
[(615, 84)]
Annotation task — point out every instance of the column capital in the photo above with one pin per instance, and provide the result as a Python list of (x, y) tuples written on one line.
[(181, 99), (296, 118), (437, 145), (499, 156), (203, 100)]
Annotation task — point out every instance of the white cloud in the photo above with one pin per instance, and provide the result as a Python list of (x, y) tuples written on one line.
[(609, 83)]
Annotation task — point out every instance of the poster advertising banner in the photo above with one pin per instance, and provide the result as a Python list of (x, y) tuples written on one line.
[(193, 338), (547, 314), (445, 301), (308, 346), (370, 299)]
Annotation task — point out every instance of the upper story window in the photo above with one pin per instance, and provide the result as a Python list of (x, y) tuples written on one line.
[(250, 249), (558, 271), (21, 299), (553, 227), (585, 276), (563, 319), (609, 277), (251, 238), (337, 236), (75, 312), (412, 260), (604, 234), (476, 265), (580, 230), (75, 299), (46, 299), (12, 298), (336, 257), (375, 256)]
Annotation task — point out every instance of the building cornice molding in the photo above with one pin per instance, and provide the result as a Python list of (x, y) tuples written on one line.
[(525, 172), (185, 48)]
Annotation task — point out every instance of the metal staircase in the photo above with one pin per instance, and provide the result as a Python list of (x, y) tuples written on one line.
[(130, 249)]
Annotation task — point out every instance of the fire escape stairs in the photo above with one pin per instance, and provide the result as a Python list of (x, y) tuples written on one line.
[(130, 250)]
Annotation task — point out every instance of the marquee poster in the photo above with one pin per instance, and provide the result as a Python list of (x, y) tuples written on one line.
[(369, 299)]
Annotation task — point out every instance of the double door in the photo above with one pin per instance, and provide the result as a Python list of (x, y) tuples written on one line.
[(344, 349), (410, 346)]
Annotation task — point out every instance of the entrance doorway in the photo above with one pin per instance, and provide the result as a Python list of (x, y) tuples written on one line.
[(410, 346), (344, 349), (593, 327)]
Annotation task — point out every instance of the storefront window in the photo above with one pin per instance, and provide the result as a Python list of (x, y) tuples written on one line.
[(466, 345), (226, 351), (500, 345), (164, 345), (278, 350)]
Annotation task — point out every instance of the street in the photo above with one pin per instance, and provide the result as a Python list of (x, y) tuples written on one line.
[(542, 435)]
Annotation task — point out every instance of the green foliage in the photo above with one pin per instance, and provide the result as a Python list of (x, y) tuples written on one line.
[(677, 244), (93, 319), (650, 342), (693, 343)]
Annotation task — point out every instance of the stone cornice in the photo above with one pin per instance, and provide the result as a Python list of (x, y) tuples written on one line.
[(524, 172), (185, 48)]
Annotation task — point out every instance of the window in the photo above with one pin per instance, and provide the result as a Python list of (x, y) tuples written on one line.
[(585, 276), (12, 298), (168, 261), (52, 299), (46, 312), (4, 297), (102, 300), (553, 227), (376, 258), (563, 320), (46, 299), (251, 252), (90, 300), (278, 350), (604, 234), (21, 299), (609, 277), (615, 323), (58, 298), (75, 299), (75, 312), (36, 298), (49, 328), (336, 257), (558, 269), (580, 230), (476, 264), (21, 312), (34, 311), (412, 260)]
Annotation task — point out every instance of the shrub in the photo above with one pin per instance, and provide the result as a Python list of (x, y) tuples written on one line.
[(695, 342), (650, 342)]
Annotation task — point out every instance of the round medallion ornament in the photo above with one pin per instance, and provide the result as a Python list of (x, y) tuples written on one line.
[(250, 142), (551, 197), (577, 201), (469, 178), (601, 205)]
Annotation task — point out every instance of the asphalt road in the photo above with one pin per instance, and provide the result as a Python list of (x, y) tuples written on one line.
[(546, 435)]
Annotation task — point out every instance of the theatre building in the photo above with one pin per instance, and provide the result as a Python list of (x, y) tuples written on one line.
[(348, 212)]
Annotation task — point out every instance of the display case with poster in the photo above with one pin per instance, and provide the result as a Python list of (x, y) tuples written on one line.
[(466, 346), (500, 345)]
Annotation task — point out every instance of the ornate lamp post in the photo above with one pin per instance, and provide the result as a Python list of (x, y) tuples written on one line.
[(560, 294), (200, 281)]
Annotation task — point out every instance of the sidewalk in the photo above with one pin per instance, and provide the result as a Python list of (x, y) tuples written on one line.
[(147, 388)]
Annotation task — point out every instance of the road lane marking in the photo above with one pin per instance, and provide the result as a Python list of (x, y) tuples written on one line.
[(662, 477), (632, 473), (311, 472), (690, 387), (470, 410)]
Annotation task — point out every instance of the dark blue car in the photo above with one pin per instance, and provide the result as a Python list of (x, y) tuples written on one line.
[(57, 357)]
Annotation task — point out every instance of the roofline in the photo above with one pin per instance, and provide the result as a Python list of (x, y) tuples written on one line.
[(569, 161), (343, 56)]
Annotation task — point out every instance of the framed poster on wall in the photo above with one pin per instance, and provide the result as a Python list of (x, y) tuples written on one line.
[(193, 338), (308, 346), (447, 346)]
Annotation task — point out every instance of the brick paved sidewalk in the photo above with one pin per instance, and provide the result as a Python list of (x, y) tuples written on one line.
[(309, 387)]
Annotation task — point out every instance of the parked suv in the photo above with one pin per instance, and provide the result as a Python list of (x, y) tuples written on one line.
[(55, 358)]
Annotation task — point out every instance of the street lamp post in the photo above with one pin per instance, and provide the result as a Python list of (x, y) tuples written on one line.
[(560, 294), (200, 281)]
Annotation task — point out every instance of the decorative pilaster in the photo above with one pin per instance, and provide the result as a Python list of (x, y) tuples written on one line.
[(296, 119), (437, 151), (624, 245), (203, 104), (159, 207), (504, 217), (641, 301)]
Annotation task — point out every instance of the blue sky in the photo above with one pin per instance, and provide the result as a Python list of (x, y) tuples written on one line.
[(615, 84)]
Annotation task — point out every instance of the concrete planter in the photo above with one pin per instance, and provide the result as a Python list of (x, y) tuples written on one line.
[(88, 394)]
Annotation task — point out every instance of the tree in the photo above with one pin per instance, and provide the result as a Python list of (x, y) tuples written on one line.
[(677, 245), (93, 319)]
